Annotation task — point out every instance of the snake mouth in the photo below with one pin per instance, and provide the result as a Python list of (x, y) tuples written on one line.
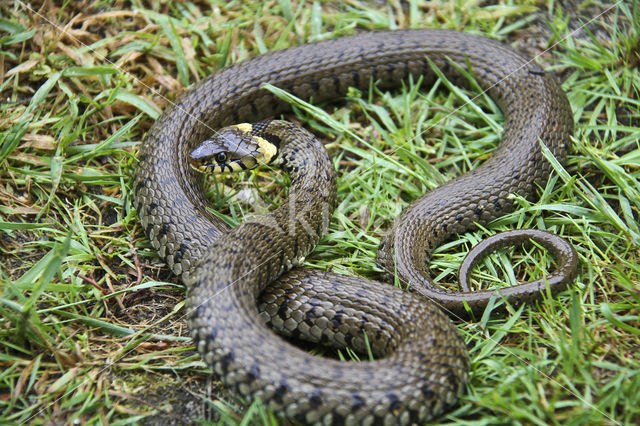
[(232, 166), (199, 163), (201, 168), (210, 168)]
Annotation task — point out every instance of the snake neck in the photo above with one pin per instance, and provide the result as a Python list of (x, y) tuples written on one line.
[(294, 228), (306, 213)]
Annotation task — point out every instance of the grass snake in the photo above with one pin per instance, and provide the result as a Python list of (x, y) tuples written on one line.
[(424, 364)]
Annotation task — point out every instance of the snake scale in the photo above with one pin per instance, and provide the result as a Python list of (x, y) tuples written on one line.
[(424, 364)]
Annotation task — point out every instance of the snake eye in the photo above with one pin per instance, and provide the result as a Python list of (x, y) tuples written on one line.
[(221, 157)]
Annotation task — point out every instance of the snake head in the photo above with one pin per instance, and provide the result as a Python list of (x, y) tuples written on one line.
[(233, 149)]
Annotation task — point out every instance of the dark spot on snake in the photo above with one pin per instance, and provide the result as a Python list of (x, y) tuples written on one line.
[(226, 361), (537, 71), (459, 217), (179, 254), (496, 205), (151, 206), (444, 227), (348, 339), (163, 230), (338, 418), (315, 85), (254, 372), (336, 323), (280, 392), (254, 109), (414, 417), (196, 284), (300, 417), (273, 139), (421, 356), (378, 334), (282, 312), (426, 391), (315, 400), (362, 294), (425, 69), (355, 74), (477, 211), (406, 71), (394, 401), (201, 311), (338, 318), (356, 401), (211, 336), (452, 379), (143, 182), (336, 82)]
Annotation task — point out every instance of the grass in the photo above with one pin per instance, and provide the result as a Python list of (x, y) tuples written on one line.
[(91, 326)]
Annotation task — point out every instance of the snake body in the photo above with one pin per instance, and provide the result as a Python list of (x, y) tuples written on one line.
[(225, 272)]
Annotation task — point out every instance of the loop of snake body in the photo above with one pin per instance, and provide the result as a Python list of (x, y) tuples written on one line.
[(228, 273)]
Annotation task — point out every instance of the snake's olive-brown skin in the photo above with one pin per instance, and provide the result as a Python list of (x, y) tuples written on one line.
[(428, 363)]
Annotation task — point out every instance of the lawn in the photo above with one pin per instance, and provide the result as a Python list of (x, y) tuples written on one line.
[(92, 325)]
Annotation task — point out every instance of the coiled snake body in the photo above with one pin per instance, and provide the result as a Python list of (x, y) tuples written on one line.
[(426, 363)]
